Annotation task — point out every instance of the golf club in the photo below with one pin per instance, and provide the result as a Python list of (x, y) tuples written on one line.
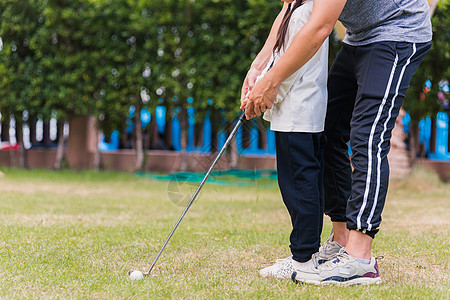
[(136, 275)]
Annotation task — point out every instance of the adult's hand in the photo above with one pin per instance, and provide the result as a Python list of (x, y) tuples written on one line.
[(261, 97)]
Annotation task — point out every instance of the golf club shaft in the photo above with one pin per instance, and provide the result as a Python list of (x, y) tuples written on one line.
[(227, 142)]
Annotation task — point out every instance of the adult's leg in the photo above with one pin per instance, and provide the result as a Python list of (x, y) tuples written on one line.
[(299, 177), (342, 87), (384, 71)]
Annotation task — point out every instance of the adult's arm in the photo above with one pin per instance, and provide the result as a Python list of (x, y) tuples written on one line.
[(261, 60), (305, 44)]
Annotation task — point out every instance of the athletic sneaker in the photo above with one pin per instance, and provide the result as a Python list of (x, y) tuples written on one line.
[(282, 268), (343, 270), (328, 250)]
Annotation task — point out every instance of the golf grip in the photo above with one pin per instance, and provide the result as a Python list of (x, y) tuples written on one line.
[(227, 142)]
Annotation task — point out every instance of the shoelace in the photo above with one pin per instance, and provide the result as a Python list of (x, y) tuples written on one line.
[(326, 245), (341, 257), (315, 259)]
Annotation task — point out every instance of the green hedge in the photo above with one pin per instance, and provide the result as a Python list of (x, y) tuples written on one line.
[(70, 57)]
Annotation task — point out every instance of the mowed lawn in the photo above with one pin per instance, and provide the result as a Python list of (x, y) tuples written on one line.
[(76, 234)]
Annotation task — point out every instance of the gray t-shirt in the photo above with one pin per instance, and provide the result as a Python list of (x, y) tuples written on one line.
[(369, 21)]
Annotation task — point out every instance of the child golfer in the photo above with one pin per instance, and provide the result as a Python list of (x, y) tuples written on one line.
[(298, 117)]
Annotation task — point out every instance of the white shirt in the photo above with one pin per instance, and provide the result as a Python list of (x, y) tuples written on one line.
[(301, 101)]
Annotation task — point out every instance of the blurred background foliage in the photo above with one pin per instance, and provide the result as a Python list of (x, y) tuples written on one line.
[(62, 58), (422, 98)]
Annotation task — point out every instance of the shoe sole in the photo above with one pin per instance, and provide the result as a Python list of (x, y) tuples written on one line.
[(274, 276), (356, 281), (269, 275)]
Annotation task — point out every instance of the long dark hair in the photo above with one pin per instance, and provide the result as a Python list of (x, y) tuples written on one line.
[(284, 25)]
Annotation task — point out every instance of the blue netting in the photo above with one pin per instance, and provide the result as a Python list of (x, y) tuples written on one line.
[(224, 177)]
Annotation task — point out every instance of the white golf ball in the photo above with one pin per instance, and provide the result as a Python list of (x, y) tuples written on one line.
[(136, 275)]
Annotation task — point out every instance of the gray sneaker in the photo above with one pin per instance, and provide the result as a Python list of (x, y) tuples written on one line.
[(342, 270), (328, 250), (282, 268)]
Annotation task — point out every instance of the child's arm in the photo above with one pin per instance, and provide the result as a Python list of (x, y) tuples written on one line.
[(261, 60), (305, 44), (318, 62)]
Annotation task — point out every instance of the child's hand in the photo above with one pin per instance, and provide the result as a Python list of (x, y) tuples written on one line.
[(261, 98), (249, 83), (248, 106), (244, 100), (249, 109)]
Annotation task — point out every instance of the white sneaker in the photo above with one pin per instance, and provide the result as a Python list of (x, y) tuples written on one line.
[(307, 266), (283, 268), (328, 250)]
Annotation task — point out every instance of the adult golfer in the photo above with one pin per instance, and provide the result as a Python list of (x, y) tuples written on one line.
[(386, 40)]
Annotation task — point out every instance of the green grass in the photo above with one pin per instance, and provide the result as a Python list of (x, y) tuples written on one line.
[(76, 234)]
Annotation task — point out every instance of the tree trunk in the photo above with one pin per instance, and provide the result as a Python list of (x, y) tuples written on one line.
[(168, 135), (152, 135), (32, 124), (19, 138), (59, 130), (183, 122), (123, 142), (433, 134), (5, 128), (46, 133), (139, 139), (413, 142), (60, 151), (96, 164)]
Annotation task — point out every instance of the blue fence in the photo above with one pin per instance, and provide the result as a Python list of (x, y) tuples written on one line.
[(250, 139), (442, 143)]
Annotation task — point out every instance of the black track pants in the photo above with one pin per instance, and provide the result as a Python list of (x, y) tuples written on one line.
[(299, 167), (366, 88)]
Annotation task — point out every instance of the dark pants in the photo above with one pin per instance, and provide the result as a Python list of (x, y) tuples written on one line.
[(299, 161), (366, 88)]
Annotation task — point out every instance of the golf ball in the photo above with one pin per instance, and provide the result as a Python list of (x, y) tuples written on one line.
[(136, 275)]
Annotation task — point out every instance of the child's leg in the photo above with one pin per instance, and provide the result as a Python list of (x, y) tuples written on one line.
[(299, 158)]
